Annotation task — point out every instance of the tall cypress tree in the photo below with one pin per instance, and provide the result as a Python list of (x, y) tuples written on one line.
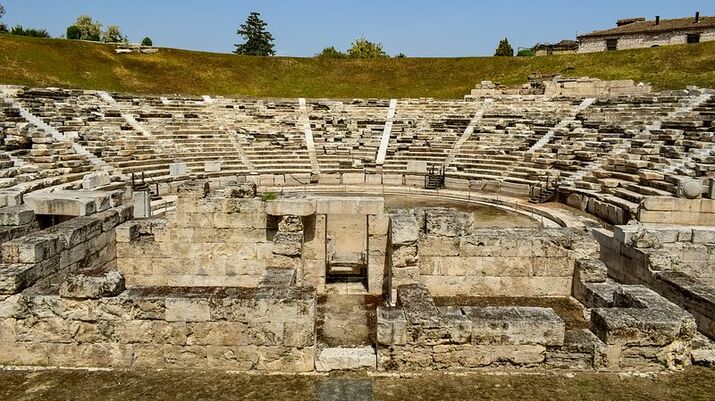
[(259, 42), (504, 49)]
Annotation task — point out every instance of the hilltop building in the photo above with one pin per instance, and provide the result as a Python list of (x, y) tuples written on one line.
[(636, 33)]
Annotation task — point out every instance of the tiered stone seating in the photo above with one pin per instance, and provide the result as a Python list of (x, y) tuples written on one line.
[(270, 133), (497, 148), (618, 150), (644, 141), (347, 134), (426, 130)]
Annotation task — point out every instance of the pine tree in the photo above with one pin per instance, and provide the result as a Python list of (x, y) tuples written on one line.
[(259, 42), (504, 49)]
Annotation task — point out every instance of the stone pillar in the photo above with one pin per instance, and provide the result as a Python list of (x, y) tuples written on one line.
[(377, 269), (142, 205), (314, 257)]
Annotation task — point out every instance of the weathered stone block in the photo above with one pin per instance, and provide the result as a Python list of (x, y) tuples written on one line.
[(515, 326), (16, 216), (83, 286), (187, 310)]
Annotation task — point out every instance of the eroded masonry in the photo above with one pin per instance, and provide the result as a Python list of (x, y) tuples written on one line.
[(503, 231)]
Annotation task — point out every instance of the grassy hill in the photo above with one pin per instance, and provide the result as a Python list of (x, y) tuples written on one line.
[(64, 63)]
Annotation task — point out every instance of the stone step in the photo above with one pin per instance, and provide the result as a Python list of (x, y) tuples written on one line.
[(345, 358)]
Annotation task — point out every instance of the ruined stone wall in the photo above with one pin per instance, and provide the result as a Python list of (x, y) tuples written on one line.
[(82, 243), (590, 45), (269, 329), (211, 241), (677, 262), (418, 336), (581, 87), (439, 247)]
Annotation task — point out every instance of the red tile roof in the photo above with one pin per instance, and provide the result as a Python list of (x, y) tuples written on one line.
[(666, 25)]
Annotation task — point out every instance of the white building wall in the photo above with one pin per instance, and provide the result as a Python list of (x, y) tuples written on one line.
[(591, 45)]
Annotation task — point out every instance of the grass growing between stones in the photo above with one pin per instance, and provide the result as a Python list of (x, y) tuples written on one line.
[(64, 63)]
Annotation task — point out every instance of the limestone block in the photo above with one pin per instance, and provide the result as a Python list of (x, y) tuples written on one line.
[(350, 205), (392, 180), (404, 256), (178, 169), (294, 207), (288, 243), (590, 271), (703, 235), (404, 229), (391, 326), (353, 178), (142, 205), (515, 326), (419, 167), (299, 334), (187, 310), (92, 181), (378, 224), (32, 248), (84, 286), (641, 317), (76, 231), (418, 304), (16, 216), (439, 246), (277, 277), (446, 223), (290, 224), (213, 166), (194, 189), (405, 276), (68, 203), (240, 190), (331, 359)]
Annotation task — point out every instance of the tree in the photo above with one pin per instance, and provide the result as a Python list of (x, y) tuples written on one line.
[(259, 42), (400, 55), (73, 33), (88, 28), (18, 30), (113, 35), (147, 42), (363, 48), (3, 28), (504, 49), (331, 52)]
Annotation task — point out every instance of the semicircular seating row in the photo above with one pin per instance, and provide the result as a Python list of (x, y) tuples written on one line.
[(621, 148)]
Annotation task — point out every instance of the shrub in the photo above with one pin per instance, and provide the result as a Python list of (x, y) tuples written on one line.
[(73, 33), (364, 49), (401, 55), (18, 30), (269, 196), (147, 42), (526, 53), (331, 52)]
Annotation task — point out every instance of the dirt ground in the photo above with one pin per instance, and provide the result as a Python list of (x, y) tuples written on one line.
[(692, 384), (485, 216)]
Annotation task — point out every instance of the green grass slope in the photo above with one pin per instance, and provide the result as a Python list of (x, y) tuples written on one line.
[(63, 63)]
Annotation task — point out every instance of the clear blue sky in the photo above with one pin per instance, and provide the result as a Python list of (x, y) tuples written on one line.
[(422, 28)]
